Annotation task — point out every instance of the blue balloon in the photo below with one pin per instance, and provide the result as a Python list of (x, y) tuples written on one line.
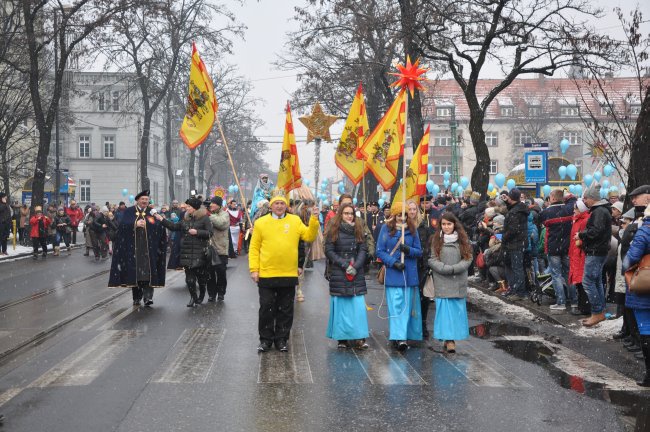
[(436, 190), (131, 197), (460, 189), (579, 190), (490, 187), (384, 197), (381, 202), (125, 192), (464, 181), (588, 179), (326, 203), (354, 201), (429, 168), (572, 189), (621, 185), (235, 188), (608, 170), (606, 183), (230, 189), (500, 180), (572, 171), (511, 184), (307, 182), (613, 189), (446, 175), (454, 186), (562, 172), (445, 182), (547, 190), (564, 145), (597, 176), (604, 192), (341, 188), (430, 185), (400, 181)]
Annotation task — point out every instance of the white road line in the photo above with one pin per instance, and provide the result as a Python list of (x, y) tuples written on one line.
[(492, 372), (300, 359), (578, 365), (286, 368), (401, 361), (192, 357), (9, 395), (385, 369), (104, 317), (88, 362), (108, 325)]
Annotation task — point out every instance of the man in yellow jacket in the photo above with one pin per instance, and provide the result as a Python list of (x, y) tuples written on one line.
[(273, 262)]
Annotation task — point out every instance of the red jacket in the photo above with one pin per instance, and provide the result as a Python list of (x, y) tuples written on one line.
[(33, 222), (576, 253), (75, 214)]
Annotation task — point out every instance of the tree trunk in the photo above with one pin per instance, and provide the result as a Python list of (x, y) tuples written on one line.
[(38, 183), (203, 155), (481, 171), (144, 151), (190, 168), (639, 152), (168, 146)]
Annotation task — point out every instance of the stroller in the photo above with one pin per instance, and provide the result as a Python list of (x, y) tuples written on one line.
[(537, 285)]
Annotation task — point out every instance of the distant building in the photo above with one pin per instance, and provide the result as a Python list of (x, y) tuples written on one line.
[(529, 110)]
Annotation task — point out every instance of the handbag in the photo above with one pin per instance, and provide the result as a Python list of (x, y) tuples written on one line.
[(638, 276), (381, 274), (211, 257), (428, 290), (480, 260)]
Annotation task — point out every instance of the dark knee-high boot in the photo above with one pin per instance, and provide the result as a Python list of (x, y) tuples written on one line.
[(645, 346), (191, 287)]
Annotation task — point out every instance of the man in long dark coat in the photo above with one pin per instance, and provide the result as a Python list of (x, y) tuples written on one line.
[(139, 252)]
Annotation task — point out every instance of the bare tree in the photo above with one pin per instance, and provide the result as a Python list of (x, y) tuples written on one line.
[(519, 37)]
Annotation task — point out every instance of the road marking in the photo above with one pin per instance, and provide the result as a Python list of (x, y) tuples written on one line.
[(192, 357), (108, 325), (104, 317), (9, 395), (577, 365), (483, 371), (286, 368), (88, 362), (384, 368)]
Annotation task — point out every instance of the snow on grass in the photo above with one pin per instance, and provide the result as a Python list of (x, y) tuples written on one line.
[(602, 330), (479, 298)]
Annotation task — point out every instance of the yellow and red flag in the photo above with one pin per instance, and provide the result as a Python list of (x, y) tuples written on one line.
[(417, 173), (385, 144), (289, 177), (202, 104), (354, 133)]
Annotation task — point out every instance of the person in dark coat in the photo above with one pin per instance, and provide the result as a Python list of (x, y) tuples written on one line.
[(595, 242), (174, 262), (346, 250), (139, 252), (195, 228), (425, 231), (100, 226), (513, 244), (63, 226), (5, 223)]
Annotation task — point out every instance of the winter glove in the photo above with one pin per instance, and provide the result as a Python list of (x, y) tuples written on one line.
[(404, 248), (351, 270), (399, 265)]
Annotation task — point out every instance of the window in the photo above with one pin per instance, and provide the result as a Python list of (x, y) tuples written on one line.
[(491, 139), (84, 190), (494, 167), (507, 111), (155, 192), (156, 151), (101, 101), (109, 146), (443, 112), (442, 141), (635, 109), (569, 111), (84, 146), (572, 136), (520, 138), (116, 101), (534, 111), (578, 164), (606, 109), (439, 167)]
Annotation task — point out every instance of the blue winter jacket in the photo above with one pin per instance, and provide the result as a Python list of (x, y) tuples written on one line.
[(533, 235), (640, 247), (386, 243)]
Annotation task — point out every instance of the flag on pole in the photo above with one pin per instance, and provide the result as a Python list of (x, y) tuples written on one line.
[(417, 172), (201, 104), (385, 144), (354, 133), (289, 177)]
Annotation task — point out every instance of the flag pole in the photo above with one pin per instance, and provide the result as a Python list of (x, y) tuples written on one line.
[(234, 172), (406, 128), (363, 188)]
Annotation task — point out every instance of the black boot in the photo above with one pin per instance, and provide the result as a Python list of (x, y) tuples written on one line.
[(645, 346), (201, 296), (193, 301)]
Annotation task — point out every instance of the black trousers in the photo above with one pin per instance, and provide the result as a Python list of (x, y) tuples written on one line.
[(217, 282), (192, 276), (74, 234), (39, 241), (142, 291), (276, 313)]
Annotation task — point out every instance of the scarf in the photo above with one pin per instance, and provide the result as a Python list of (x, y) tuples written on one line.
[(347, 227), (451, 238)]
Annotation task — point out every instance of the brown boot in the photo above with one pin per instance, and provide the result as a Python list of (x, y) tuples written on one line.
[(56, 251), (503, 287), (594, 319)]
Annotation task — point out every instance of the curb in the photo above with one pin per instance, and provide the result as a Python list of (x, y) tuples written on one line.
[(28, 254)]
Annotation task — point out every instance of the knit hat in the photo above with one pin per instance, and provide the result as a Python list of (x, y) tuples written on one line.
[(490, 212), (514, 194), (582, 207), (593, 193), (217, 200), (396, 208), (498, 220), (104, 209), (279, 198), (60, 209), (195, 203), (618, 206), (629, 214)]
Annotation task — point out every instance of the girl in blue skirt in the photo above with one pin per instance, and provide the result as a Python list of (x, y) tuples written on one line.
[(451, 256)]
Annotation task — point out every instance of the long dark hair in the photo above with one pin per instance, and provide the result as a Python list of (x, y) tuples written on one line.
[(463, 240), (335, 224)]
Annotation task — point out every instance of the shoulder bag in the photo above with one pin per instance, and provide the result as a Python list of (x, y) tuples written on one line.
[(381, 275), (428, 290), (638, 277)]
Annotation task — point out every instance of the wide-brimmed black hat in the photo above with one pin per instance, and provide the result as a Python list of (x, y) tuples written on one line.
[(141, 194)]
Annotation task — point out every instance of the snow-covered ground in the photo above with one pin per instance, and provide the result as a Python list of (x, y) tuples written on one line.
[(603, 330)]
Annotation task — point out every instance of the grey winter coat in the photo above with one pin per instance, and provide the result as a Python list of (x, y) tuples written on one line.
[(449, 272), (192, 246), (220, 231), (339, 254)]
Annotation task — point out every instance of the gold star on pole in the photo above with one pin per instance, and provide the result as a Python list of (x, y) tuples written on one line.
[(318, 124)]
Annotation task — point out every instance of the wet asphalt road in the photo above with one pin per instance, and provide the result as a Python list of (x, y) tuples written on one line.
[(173, 368)]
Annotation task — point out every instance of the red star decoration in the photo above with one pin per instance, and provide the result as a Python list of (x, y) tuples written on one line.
[(409, 76)]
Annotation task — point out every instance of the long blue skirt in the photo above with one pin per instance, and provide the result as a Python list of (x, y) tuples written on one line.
[(404, 313), (643, 321), (451, 322), (348, 318)]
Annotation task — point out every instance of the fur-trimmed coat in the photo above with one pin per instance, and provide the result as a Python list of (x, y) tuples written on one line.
[(192, 246)]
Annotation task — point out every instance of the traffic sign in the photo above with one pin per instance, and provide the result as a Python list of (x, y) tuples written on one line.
[(538, 146), (536, 164)]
